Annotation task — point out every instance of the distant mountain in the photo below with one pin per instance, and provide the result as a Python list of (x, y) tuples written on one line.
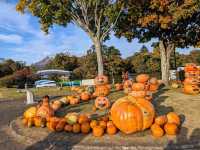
[(42, 63), (1, 60)]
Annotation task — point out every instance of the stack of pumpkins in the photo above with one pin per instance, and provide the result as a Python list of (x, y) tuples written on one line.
[(144, 87), (192, 79), (102, 89), (168, 124)]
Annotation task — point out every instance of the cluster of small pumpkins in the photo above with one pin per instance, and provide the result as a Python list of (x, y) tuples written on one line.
[(192, 79), (168, 124)]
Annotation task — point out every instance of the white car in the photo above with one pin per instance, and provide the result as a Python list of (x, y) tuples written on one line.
[(45, 83)]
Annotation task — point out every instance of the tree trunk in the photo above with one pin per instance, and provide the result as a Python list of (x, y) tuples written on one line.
[(165, 52), (97, 45)]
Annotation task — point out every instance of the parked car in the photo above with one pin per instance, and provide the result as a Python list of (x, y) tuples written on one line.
[(45, 83)]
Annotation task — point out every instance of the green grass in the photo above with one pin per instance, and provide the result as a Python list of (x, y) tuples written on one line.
[(13, 94)]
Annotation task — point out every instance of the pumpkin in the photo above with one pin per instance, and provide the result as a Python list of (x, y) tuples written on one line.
[(102, 103), (45, 110), (153, 81), (101, 80), (71, 118), (56, 105), (76, 128), (127, 84), (111, 130), (39, 122), (142, 78), (153, 87), (102, 90), (85, 96), (171, 128), (83, 118), (131, 115), (161, 120), (30, 112), (156, 130), (68, 128), (191, 89), (53, 121), (118, 86), (138, 94), (30, 122), (93, 123), (172, 117), (110, 123), (98, 131), (190, 81), (190, 67), (85, 127), (61, 124), (103, 124), (74, 100), (138, 86)]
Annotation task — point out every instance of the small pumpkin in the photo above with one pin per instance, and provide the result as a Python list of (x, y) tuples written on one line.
[(191, 89), (68, 128), (85, 127), (161, 120), (71, 118), (156, 130), (111, 130), (142, 78), (102, 103), (98, 131), (83, 118), (118, 86), (138, 94), (85, 96), (53, 121), (76, 128), (103, 124), (171, 128), (138, 86), (172, 117), (93, 123), (61, 124), (101, 80), (30, 112)]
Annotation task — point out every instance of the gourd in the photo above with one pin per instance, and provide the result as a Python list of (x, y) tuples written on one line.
[(45, 110)]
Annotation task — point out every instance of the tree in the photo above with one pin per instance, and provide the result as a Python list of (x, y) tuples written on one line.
[(174, 23), (96, 17)]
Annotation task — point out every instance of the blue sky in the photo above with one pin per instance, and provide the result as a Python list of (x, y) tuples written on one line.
[(22, 39)]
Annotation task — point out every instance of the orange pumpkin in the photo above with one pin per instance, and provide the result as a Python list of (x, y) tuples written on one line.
[(111, 130), (98, 131), (156, 130), (103, 124), (172, 117), (153, 87), (118, 86), (161, 120), (138, 94), (53, 121), (68, 128), (102, 90), (101, 80), (93, 123), (191, 89), (131, 115), (85, 96), (61, 125), (102, 103), (76, 128), (153, 81), (85, 127), (30, 112), (45, 110), (138, 86), (171, 128), (142, 78), (83, 118)]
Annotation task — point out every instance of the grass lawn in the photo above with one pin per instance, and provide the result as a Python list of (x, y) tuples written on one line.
[(13, 94)]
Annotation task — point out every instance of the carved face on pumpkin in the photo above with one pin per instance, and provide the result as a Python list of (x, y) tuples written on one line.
[(101, 80), (102, 102)]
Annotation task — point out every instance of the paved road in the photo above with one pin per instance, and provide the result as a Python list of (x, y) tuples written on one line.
[(9, 110)]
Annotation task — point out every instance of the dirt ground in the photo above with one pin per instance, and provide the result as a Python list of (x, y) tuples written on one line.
[(166, 100)]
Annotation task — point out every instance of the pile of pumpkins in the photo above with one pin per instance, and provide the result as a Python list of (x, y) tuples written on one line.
[(192, 79)]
